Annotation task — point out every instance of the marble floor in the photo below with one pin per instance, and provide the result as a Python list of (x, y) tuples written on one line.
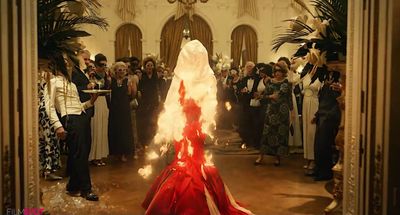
[(263, 189)]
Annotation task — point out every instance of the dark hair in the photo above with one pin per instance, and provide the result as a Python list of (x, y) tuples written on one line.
[(147, 59), (99, 57), (134, 59), (58, 65), (286, 60), (266, 69)]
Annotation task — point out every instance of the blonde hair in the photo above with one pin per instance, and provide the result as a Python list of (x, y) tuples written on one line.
[(117, 65)]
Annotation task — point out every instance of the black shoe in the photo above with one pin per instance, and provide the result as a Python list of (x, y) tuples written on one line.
[(323, 178), (310, 172), (257, 163), (74, 193), (90, 196)]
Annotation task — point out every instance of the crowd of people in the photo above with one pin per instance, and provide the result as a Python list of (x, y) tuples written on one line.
[(280, 111), (274, 108)]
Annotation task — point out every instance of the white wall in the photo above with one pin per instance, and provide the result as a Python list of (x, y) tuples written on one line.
[(221, 15)]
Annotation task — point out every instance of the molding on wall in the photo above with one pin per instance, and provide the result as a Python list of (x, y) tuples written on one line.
[(30, 103), (351, 185)]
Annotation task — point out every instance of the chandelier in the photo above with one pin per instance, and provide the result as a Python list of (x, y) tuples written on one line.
[(187, 2)]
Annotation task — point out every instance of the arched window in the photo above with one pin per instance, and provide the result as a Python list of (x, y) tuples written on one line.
[(244, 45), (172, 35), (128, 41)]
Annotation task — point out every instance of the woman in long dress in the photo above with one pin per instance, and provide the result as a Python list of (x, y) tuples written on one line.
[(311, 86), (120, 124), (99, 124), (49, 148), (295, 142), (191, 183), (275, 135), (149, 100)]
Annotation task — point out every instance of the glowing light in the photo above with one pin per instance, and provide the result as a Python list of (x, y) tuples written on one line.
[(152, 155), (228, 106), (208, 158), (190, 148), (180, 155), (145, 171), (243, 146), (193, 70), (164, 149)]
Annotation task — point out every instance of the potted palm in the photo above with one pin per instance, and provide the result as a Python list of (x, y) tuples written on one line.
[(322, 40), (59, 23), (326, 29)]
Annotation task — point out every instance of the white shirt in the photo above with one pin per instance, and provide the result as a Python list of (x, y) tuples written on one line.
[(261, 86), (250, 83), (64, 98)]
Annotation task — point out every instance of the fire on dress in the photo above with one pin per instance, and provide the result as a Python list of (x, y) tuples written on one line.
[(191, 132)]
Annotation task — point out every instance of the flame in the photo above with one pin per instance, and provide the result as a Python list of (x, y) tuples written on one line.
[(228, 106), (152, 155), (172, 119), (190, 148), (208, 158), (200, 85), (145, 171)]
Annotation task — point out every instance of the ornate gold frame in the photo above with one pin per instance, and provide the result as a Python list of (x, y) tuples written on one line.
[(30, 103)]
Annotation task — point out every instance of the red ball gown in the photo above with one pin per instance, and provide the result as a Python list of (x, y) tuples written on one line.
[(190, 185)]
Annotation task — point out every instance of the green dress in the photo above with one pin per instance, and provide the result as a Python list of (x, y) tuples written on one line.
[(275, 135)]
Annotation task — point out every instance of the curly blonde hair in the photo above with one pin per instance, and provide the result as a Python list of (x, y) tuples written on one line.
[(116, 66)]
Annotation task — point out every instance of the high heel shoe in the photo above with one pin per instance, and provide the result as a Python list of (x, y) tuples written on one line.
[(258, 162), (51, 177), (277, 162), (123, 159)]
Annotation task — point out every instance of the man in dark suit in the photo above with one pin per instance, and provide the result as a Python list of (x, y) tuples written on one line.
[(81, 79), (250, 116), (327, 119)]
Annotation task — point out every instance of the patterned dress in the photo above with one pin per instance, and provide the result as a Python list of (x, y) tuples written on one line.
[(49, 148), (275, 135)]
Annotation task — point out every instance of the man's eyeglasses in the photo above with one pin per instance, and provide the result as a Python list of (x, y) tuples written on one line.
[(102, 64)]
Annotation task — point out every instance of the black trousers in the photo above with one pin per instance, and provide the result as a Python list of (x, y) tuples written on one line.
[(251, 126), (78, 142), (327, 129)]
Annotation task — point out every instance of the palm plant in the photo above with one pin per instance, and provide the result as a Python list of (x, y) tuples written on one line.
[(327, 30), (59, 23)]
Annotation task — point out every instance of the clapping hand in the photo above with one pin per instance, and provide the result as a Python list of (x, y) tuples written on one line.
[(337, 87), (274, 96)]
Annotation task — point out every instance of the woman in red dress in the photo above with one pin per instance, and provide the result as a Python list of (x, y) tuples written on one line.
[(191, 184)]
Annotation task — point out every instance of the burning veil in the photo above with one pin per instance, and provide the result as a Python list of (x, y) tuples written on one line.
[(191, 184)]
